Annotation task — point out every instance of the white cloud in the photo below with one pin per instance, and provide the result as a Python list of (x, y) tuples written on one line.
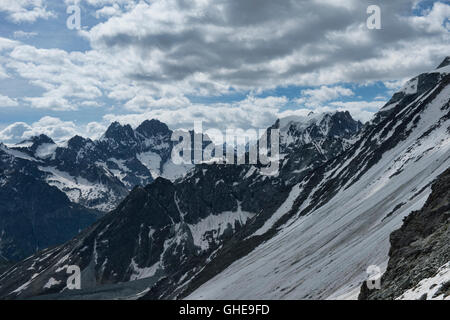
[(50, 102), (24, 35), (313, 98), (53, 127), (95, 129), (252, 112), (328, 99), (3, 73), (150, 57), (108, 11), (7, 101), (432, 20), (14, 132), (25, 10), (69, 79), (206, 45), (361, 110), (144, 102)]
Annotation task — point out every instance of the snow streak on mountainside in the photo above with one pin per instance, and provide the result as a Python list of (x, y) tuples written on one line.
[(167, 231)]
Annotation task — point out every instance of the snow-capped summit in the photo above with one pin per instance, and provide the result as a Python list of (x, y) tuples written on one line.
[(328, 133)]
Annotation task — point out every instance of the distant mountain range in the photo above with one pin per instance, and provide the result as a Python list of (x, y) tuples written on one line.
[(230, 232), (77, 181), (99, 174)]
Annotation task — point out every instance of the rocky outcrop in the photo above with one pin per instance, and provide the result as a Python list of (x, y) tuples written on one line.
[(419, 250)]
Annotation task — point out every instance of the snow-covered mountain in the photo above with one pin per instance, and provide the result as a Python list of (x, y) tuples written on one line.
[(44, 185), (229, 232), (99, 174), (168, 230)]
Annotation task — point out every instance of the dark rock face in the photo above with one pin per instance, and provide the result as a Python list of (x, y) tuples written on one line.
[(34, 215), (151, 128), (4, 265), (419, 248)]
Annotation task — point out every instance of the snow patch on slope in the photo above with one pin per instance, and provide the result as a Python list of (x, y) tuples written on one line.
[(429, 286), (218, 224), (282, 210), (46, 150), (411, 86), (152, 162), (77, 188), (17, 154), (173, 171), (142, 273)]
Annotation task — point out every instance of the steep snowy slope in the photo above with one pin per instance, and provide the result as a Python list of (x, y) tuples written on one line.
[(341, 225), (166, 232)]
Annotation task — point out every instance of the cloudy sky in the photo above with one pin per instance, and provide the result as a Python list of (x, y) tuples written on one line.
[(230, 63)]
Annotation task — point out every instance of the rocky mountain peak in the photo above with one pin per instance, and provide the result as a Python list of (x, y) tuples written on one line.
[(40, 140), (342, 124), (119, 132), (39, 146), (153, 127), (77, 142), (297, 130)]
